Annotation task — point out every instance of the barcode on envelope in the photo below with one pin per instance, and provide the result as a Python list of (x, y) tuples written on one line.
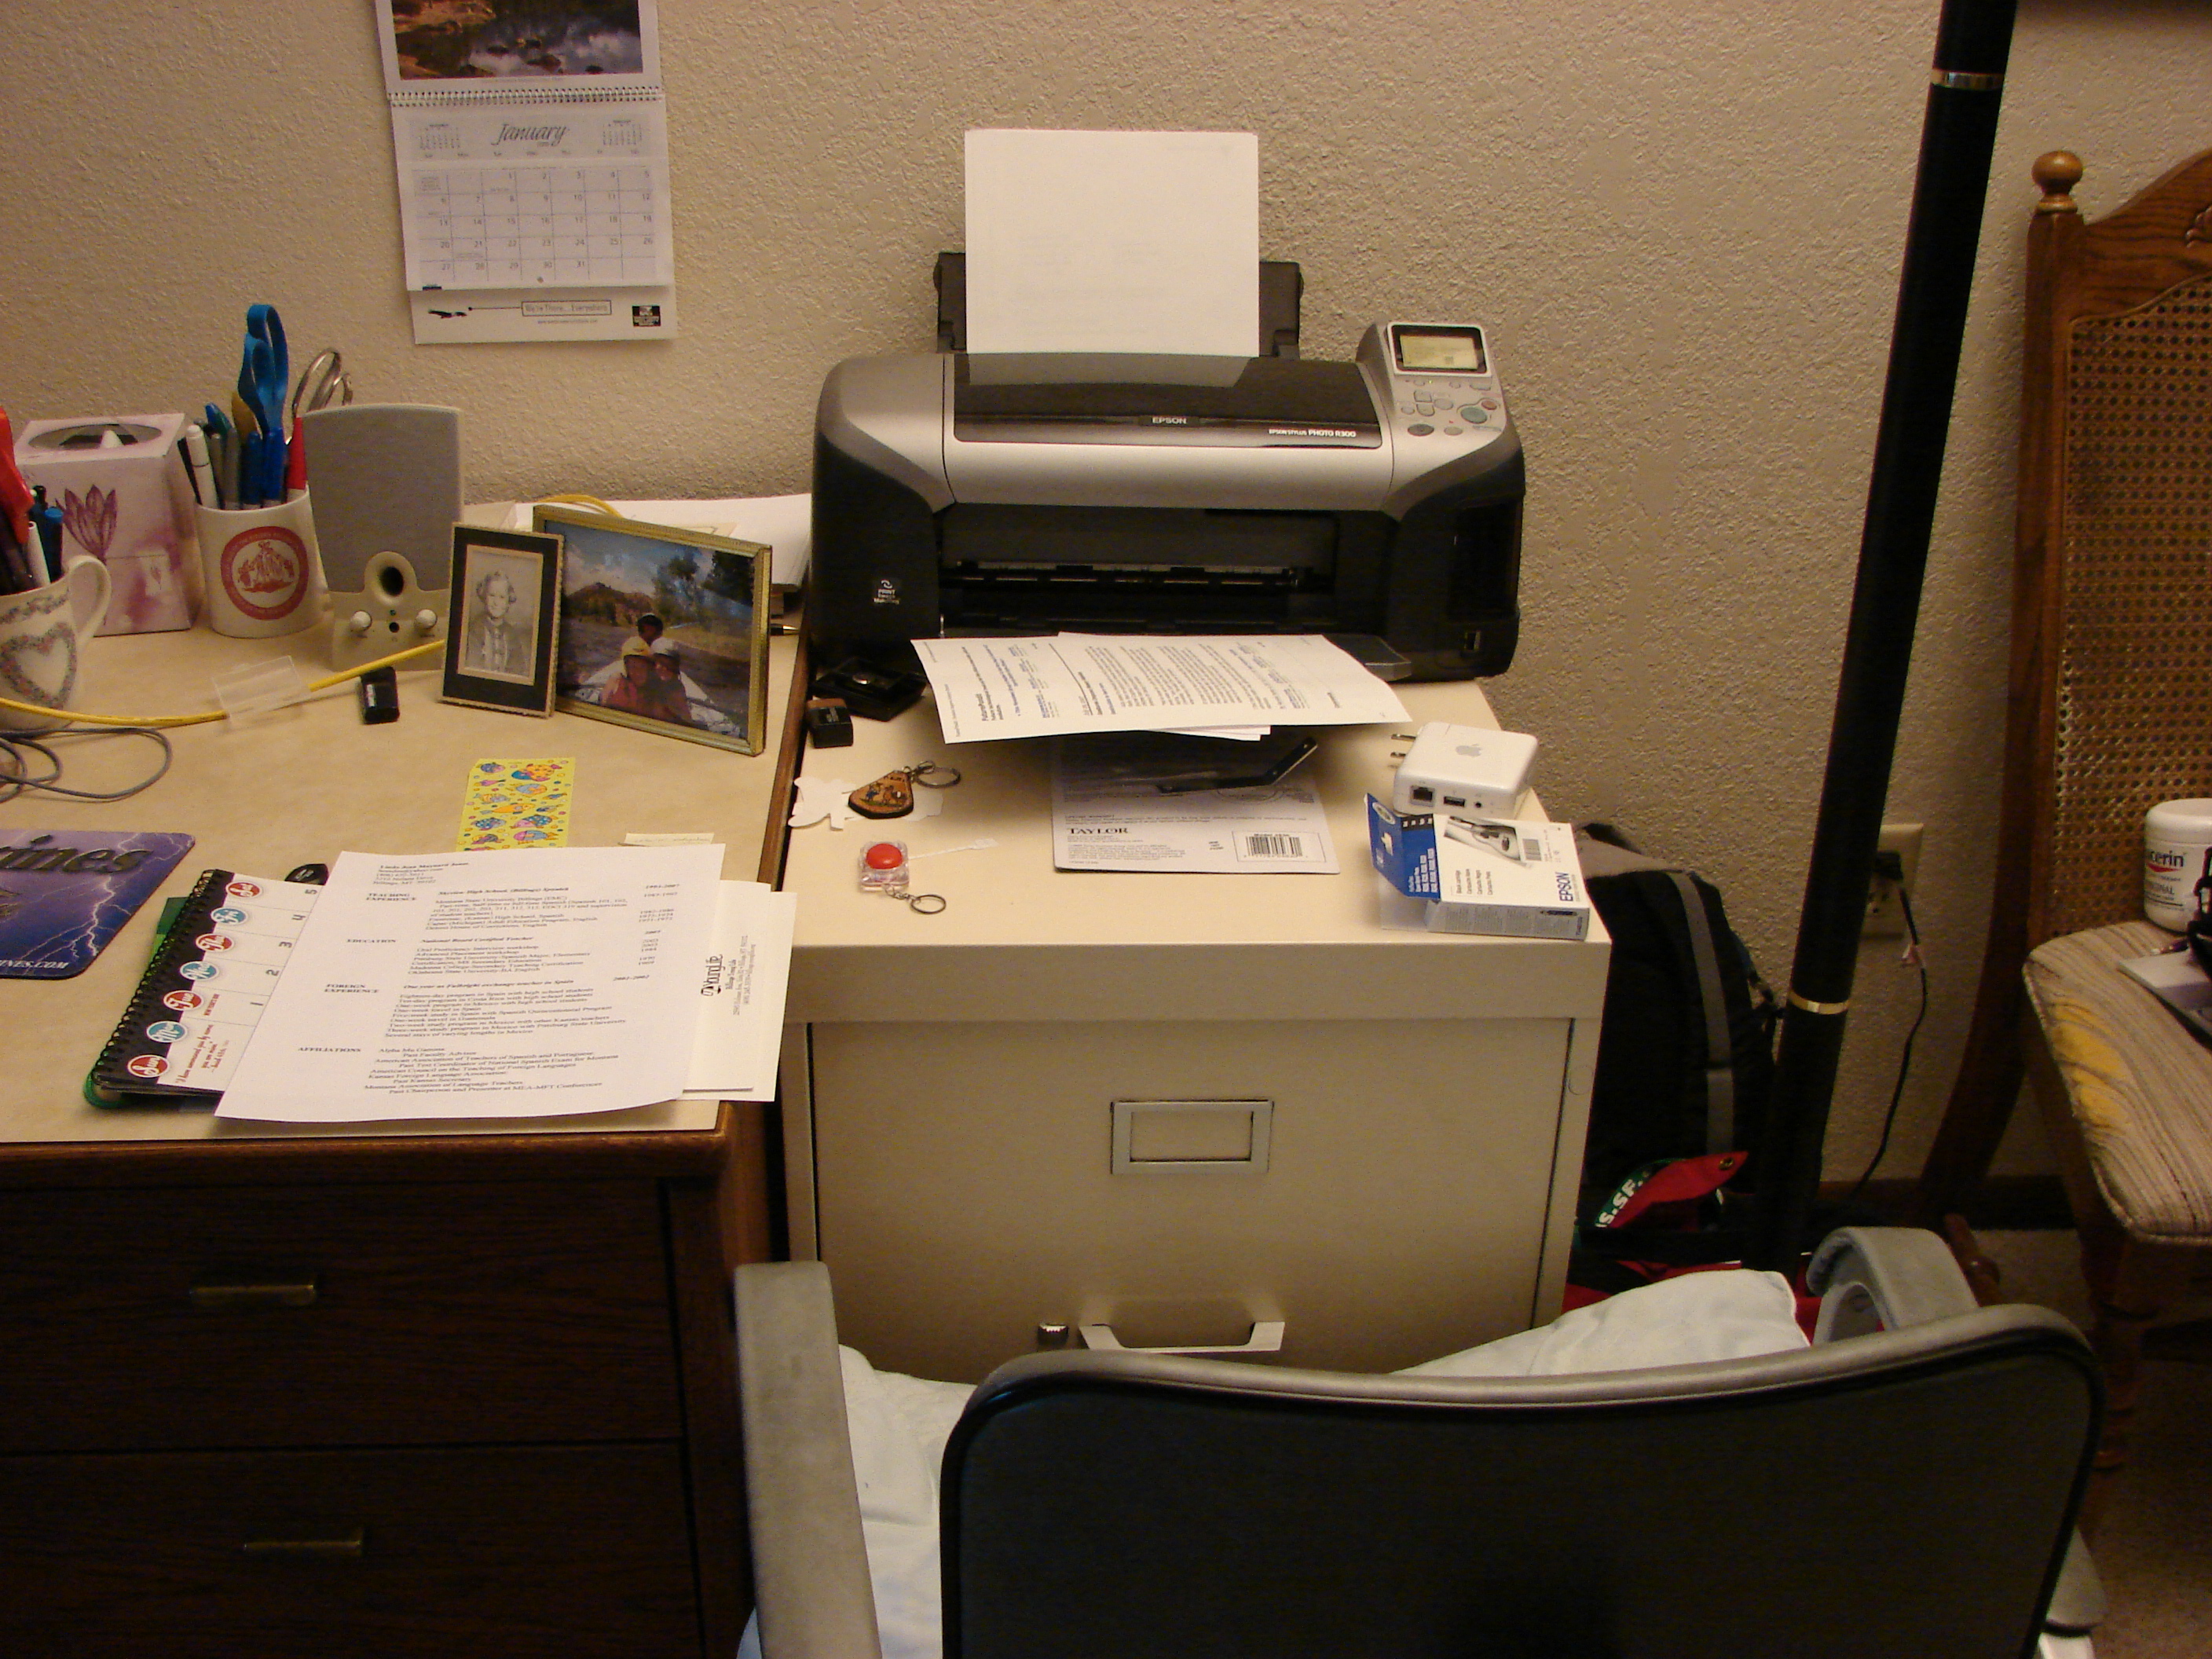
[(1274, 846)]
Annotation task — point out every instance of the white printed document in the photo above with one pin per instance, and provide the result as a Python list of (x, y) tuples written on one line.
[(1114, 241), (1067, 682), (739, 1005), (479, 985), (1102, 823)]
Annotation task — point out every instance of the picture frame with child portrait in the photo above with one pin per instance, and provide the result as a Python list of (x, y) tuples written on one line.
[(505, 623), (662, 630)]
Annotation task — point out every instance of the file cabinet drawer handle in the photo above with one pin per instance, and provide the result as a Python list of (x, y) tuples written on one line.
[(229, 1295), (349, 1546), (1266, 1338)]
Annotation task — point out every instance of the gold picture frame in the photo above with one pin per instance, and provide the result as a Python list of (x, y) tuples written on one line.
[(661, 630)]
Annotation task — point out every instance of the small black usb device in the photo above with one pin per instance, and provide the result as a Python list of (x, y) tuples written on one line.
[(380, 696)]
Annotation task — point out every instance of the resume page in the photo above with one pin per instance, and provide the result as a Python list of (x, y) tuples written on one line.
[(485, 985), (1063, 684)]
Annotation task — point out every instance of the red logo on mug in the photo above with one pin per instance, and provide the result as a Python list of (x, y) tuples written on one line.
[(264, 572)]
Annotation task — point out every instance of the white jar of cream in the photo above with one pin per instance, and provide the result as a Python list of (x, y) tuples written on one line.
[(2175, 835)]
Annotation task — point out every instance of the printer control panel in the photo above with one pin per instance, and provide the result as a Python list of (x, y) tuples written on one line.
[(1437, 381)]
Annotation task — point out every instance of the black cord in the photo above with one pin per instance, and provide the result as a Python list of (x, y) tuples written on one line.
[(1905, 1057), (16, 749)]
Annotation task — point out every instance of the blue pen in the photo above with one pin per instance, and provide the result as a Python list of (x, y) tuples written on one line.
[(222, 448), (46, 523)]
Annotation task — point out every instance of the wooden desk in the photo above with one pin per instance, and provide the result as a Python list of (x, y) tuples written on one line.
[(950, 1083), (505, 1422)]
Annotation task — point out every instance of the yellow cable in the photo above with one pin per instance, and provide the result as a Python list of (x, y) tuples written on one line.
[(72, 717)]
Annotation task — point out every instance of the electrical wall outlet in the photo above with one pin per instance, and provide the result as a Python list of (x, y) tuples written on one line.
[(1885, 911)]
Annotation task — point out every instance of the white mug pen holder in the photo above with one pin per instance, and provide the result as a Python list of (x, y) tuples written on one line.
[(263, 574)]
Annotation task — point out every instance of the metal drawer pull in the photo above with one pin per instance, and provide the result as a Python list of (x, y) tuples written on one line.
[(346, 1548), (1266, 1338), (220, 1296)]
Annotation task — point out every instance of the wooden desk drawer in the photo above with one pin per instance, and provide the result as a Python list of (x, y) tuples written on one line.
[(364, 1315), (575, 1551)]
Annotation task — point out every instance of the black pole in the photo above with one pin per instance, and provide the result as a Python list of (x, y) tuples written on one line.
[(1973, 40)]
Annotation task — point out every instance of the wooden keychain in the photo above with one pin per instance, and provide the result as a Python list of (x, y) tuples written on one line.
[(891, 796)]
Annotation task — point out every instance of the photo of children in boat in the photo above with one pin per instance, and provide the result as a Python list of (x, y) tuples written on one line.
[(661, 627)]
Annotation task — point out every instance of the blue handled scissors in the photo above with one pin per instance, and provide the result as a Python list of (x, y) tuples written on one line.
[(265, 375)]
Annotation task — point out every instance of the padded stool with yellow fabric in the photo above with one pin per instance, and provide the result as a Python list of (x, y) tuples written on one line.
[(2130, 1092)]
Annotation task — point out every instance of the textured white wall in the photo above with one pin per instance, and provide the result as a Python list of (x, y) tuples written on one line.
[(1682, 221)]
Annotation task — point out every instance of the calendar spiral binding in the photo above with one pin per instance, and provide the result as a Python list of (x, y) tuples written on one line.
[(533, 92)]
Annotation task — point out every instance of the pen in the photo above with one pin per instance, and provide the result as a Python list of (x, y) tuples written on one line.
[(15, 575), (202, 469), (46, 522), (249, 469)]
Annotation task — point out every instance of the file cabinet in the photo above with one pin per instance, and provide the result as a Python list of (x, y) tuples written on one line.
[(1178, 1110)]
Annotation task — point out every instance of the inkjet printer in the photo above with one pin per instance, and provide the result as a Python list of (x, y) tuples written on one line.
[(997, 493)]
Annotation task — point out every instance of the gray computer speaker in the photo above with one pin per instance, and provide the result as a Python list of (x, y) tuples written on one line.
[(384, 480)]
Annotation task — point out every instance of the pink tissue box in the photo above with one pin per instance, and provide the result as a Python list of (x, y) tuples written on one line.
[(129, 505)]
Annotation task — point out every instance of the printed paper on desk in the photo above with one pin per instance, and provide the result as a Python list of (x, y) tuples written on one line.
[(1114, 241), (1275, 828), (1068, 682), (740, 1000), (483, 985)]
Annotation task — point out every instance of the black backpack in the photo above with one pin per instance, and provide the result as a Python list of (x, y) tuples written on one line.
[(1685, 1062)]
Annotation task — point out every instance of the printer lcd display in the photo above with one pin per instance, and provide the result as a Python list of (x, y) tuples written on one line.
[(1442, 350), (1264, 402)]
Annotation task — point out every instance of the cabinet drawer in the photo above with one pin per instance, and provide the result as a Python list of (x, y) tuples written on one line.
[(578, 1550), (967, 1185), (362, 1315)]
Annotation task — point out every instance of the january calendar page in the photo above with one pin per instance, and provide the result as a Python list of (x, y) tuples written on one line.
[(531, 143), (534, 194)]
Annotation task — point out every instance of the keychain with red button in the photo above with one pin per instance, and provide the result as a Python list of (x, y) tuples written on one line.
[(885, 869)]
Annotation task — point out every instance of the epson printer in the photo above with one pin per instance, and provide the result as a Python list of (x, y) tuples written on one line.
[(995, 494)]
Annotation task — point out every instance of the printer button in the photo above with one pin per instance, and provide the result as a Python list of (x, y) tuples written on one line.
[(1420, 429)]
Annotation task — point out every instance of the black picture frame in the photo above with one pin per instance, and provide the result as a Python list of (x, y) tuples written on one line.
[(694, 604), (505, 624)]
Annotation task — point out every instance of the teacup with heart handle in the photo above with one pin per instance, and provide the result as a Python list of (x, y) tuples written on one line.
[(43, 634)]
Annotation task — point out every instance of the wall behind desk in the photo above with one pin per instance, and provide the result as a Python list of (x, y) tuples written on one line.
[(1682, 222)]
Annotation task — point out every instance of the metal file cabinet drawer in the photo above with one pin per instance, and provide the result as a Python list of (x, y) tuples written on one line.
[(966, 1193), (366, 1315), (493, 1551)]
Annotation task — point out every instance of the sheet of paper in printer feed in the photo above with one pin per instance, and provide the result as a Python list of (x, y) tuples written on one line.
[(487, 985), (1114, 241), (1066, 682), (1104, 823), (533, 185), (740, 994)]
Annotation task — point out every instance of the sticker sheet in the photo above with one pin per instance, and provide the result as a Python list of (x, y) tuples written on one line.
[(516, 803)]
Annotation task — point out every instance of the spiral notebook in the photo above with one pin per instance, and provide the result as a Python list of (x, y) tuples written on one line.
[(188, 1021)]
